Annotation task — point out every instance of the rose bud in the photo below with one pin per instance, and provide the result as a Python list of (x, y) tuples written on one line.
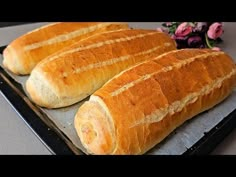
[(183, 29), (215, 30)]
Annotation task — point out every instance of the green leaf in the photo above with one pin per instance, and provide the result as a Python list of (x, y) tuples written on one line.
[(172, 31)]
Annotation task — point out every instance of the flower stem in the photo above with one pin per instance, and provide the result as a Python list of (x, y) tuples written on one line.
[(207, 41)]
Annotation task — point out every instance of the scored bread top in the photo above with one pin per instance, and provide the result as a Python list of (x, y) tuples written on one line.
[(78, 70)]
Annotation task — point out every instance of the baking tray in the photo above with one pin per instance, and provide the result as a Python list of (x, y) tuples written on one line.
[(59, 143)]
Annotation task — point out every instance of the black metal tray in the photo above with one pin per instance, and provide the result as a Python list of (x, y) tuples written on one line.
[(58, 143)]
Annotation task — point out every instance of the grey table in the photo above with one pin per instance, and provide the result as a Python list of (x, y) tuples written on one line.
[(17, 138)]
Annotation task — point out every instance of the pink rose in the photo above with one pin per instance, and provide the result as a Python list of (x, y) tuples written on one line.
[(183, 30), (215, 30)]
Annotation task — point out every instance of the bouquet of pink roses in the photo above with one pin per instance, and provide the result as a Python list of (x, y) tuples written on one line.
[(194, 34)]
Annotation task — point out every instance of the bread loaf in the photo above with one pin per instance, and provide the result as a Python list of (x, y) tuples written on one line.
[(25, 52), (142, 105), (76, 72)]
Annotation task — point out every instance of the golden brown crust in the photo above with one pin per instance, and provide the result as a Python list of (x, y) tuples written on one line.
[(25, 52), (147, 102), (79, 70)]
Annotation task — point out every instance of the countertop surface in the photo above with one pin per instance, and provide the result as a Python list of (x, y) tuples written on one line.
[(17, 138)]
